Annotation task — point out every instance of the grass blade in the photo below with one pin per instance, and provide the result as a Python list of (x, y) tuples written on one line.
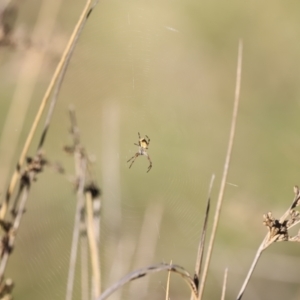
[(226, 167)]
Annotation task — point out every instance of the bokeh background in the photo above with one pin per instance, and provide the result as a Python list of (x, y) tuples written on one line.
[(166, 69)]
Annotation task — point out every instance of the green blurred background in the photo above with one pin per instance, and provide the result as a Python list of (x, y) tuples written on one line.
[(165, 69)]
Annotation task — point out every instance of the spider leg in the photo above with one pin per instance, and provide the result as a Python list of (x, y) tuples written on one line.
[(150, 165), (133, 158), (136, 144), (139, 135), (148, 139)]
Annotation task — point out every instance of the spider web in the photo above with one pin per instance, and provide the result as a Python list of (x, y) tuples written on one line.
[(136, 69), (166, 70)]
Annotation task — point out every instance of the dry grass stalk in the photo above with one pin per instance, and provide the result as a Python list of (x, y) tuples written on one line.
[(96, 206), (34, 165), (80, 167), (278, 232), (202, 238), (92, 192), (224, 284), (225, 171), (76, 32), (25, 86), (84, 217), (150, 270), (84, 258), (96, 214), (92, 238), (6, 288), (168, 284)]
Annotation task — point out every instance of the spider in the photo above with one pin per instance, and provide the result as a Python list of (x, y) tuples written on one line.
[(143, 146)]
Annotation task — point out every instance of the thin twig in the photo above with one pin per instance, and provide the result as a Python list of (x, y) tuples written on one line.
[(293, 205), (253, 265), (225, 171), (267, 241)]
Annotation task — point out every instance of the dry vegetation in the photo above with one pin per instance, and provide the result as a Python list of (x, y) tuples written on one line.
[(86, 231)]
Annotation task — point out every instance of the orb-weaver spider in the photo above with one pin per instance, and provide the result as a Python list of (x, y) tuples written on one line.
[(143, 146)]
